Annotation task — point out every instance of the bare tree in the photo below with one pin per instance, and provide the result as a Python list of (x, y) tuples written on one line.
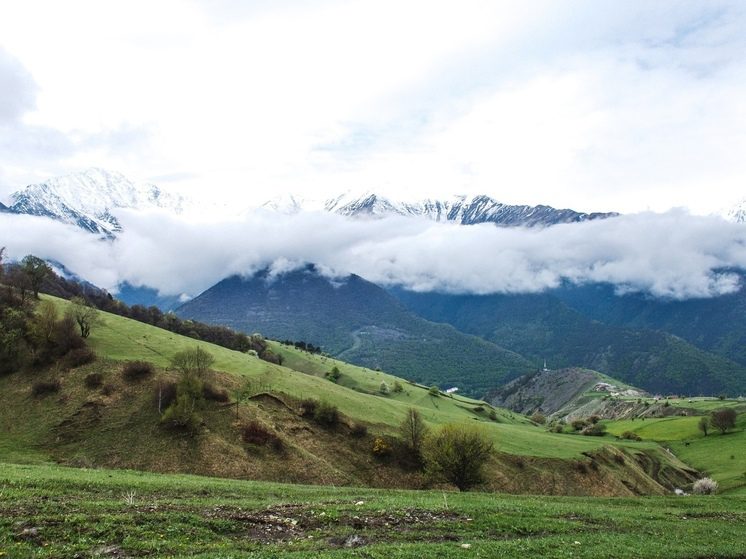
[(723, 419), (413, 431)]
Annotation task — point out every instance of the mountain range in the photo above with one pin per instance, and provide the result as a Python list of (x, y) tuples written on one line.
[(89, 198)]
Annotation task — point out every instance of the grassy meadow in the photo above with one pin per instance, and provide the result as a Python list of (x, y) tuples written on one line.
[(51, 511)]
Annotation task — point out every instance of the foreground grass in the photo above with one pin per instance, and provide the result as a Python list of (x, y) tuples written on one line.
[(50, 511)]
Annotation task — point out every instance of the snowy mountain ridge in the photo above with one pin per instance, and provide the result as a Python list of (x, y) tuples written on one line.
[(456, 209), (737, 212), (87, 199)]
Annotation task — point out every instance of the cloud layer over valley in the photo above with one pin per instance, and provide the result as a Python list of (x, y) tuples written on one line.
[(673, 255)]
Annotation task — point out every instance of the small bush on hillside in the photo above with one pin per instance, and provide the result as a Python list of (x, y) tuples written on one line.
[(214, 394), (79, 356), (538, 418), (705, 486), (326, 414), (558, 428), (594, 419), (493, 415), (631, 436), (384, 388), (359, 430), (457, 454), (398, 387), (44, 388), (579, 424), (381, 448), (595, 430), (257, 434), (93, 380), (479, 409), (134, 371), (108, 389), (434, 391), (334, 374), (308, 407)]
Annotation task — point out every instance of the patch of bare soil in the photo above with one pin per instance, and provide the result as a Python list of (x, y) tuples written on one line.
[(295, 522)]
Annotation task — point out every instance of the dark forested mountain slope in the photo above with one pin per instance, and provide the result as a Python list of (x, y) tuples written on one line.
[(543, 327), (359, 322)]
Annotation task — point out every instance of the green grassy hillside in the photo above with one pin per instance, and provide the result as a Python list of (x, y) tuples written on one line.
[(719, 455), (118, 425)]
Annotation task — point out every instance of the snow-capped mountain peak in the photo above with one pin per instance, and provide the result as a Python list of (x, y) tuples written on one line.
[(737, 212), (87, 199)]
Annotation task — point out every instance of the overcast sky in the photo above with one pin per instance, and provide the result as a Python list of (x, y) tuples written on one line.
[(594, 105)]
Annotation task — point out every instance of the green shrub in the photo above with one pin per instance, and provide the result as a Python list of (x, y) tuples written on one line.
[(538, 418), (398, 387), (334, 374), (457, 454), (493, 415), (434, 391), (579, 424), (594, 430), (631, 436), (326, 414)]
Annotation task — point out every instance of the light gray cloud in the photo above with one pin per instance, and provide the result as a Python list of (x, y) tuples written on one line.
[(673, 255)]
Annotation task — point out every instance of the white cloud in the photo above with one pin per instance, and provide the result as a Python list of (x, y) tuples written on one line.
[(674, 255)]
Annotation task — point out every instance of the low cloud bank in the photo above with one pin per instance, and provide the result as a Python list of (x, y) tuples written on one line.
[(674, 255)]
